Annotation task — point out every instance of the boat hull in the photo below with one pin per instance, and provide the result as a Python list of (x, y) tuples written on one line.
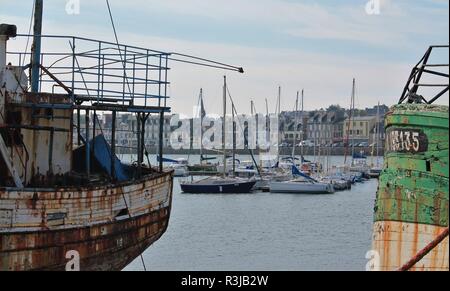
[(235, 188), (398, 242), (300, 188), (412, 201), (95, 225)]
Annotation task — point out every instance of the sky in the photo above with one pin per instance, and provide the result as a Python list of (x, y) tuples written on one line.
[(318, 46)]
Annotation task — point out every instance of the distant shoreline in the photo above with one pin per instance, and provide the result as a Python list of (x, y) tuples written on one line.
[(283, 151)]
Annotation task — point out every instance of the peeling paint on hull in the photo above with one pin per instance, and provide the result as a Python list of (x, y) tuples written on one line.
[(412, 205), (398, 242), (93, 225)]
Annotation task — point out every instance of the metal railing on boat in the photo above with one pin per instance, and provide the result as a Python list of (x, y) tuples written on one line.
[(101, 73)]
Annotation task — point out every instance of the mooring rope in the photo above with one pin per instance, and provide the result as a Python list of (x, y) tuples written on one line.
[(414, 260)]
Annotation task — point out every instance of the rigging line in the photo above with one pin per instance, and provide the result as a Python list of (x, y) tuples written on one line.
[(171, 59), (78, 54), (118, 45), (82, 75), (206, 65), (129, 89), (27, 44), (239, 69)]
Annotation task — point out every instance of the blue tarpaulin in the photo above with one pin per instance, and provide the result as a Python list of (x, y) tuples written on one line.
[(102, 153)]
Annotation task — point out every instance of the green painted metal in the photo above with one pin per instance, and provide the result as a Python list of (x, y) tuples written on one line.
[(414, 183)]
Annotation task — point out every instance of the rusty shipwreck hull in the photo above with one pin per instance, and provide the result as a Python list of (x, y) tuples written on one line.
[(108, 226)]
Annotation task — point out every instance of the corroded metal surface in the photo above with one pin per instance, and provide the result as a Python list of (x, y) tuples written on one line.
[(412, 206), (45, 147), (38, 228), (398, 242)]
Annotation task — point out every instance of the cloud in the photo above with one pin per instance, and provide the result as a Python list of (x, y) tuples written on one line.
[(326, 76), (345, 21)]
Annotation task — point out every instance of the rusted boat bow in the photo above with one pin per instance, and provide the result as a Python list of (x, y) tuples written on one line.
[(68, 202), (106, 227)]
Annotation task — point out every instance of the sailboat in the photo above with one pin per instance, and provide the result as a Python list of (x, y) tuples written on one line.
[(220, 184), (358, 165), (302, 184)]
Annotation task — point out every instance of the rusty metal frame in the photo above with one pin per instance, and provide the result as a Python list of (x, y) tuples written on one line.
[(108, 72), (410, 92)]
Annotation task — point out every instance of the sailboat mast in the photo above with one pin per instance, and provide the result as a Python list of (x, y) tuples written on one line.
[(349, 125), (353, 121), (36, 49), (278, 116), (295, 126), (279, 99), (301, 132), (224, 125), (234, 138), (201, 126)]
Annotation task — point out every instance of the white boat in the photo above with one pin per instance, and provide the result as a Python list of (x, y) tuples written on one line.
[(301, 186), (277, 175), (179, 166), (179, 170)]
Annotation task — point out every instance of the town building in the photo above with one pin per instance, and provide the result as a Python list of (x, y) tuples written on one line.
[(324, 128), (359, 129)]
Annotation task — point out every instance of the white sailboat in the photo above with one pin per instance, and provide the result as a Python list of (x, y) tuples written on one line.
[(301, 186), (302, 183)]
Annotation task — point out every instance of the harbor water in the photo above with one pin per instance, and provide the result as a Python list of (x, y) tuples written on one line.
[(264, 231)]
